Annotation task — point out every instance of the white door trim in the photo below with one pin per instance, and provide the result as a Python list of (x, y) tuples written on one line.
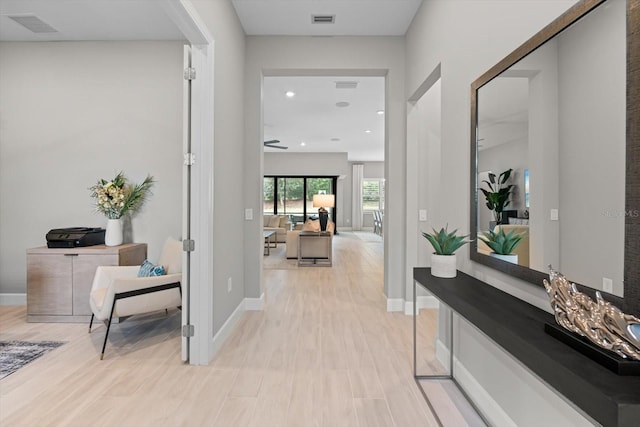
[(187, 19)]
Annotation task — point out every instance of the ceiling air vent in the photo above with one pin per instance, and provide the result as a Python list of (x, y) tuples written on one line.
[(33, 23), (346, 85), (323, 19)]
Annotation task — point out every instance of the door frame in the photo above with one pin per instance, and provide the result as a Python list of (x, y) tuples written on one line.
[(200, 295)]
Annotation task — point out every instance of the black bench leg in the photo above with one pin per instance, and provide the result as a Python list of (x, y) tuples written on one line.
[(91, 322)]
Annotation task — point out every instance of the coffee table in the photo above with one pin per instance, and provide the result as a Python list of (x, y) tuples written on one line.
[(267, 241)]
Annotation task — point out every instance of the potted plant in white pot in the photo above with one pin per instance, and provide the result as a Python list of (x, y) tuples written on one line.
[(502, 244), (445, 243)]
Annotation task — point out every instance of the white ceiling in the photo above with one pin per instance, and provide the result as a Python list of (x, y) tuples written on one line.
[(311, 116), (90, 20), (352, 17)]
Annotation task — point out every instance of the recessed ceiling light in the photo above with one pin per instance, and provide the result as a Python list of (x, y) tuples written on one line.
[(342, 104), (303, 143), (367, 131), (380, 112), (290, 94), (335, 139)]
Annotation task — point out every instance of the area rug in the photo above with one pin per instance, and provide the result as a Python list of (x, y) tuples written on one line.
[(16, 354)]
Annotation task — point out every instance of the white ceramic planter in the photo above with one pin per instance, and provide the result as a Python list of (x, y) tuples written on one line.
[(443, 266), (512, 258), (113, 235)]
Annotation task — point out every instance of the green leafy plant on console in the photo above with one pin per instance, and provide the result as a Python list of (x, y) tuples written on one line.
[(500, 242), (445, 242)]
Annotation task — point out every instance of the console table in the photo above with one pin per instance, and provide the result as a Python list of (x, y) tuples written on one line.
[(518, 328), (59, 279), (315, 248)]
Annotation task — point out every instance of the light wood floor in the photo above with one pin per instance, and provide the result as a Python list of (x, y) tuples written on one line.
[(324, 352)]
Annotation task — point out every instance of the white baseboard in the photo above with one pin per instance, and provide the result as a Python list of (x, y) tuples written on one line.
[(395, 304), (426, 301), (247, 304), (254, 304), (13, 299), (490, 409), (226, 329)]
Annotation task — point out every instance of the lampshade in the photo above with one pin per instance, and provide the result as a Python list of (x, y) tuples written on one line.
[(323, 200)]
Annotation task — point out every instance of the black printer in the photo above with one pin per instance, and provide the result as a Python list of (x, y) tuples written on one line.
[(75, 237)]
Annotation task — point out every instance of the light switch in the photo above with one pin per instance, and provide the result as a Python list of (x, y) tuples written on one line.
[(422, 214), (554, 215), (607, 285), (248, 214)]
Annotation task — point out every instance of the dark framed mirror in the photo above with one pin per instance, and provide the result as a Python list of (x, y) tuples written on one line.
[(561, 112)]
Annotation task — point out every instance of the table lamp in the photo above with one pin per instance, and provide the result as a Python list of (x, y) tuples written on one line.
[(323, 201)]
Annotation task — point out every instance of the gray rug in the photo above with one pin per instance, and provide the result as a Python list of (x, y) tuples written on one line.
[(16, 354)]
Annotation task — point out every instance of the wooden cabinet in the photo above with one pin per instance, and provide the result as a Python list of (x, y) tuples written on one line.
[(59, 280)]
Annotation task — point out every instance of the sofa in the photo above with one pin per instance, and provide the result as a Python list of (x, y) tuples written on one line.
[(293, 235), (278, 223), (522, 250)]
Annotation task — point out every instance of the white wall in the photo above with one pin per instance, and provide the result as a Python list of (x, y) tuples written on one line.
[(466, 38), (74, 112), (331, 56), (229, 177)]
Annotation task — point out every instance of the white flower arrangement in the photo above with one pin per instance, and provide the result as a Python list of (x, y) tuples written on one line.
[(115, 198)]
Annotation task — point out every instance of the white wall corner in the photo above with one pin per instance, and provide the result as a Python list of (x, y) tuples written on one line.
[(426, 301), (490, 409), (13, 299), (254, 304), (226, 329), (395, 304)]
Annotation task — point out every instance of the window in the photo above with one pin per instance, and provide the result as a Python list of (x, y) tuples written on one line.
[(290, 196), (372, 195), (268, 195), (293, 195)]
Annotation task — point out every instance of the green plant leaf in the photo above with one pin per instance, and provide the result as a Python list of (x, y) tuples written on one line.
[(445, 242)]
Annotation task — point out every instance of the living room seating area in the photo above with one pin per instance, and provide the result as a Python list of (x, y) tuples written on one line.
[(278, 223)]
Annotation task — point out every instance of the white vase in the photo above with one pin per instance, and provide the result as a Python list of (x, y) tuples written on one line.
[(113, 235), (443, 266), (512, 258)]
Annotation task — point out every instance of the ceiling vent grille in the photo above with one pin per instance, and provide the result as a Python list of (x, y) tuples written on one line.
[(33, 23), (346, 85), (323, 19)]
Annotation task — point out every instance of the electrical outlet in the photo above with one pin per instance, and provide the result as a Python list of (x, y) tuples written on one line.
[(554, 215), (607, 285), (229, 284)]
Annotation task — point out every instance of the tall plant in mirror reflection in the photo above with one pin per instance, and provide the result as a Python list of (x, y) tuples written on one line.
[(498, 193)]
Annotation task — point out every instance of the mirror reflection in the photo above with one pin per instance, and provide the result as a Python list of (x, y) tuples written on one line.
[(556, 121)]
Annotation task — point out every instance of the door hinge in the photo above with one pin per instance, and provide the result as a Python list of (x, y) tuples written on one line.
[(188, 245), (189, 159), (188, 331), (189, 73)]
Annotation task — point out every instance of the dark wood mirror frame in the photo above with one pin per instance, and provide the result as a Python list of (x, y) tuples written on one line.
[(630, 303)]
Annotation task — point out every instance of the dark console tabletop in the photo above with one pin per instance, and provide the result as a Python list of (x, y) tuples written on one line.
[(518, 327)]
